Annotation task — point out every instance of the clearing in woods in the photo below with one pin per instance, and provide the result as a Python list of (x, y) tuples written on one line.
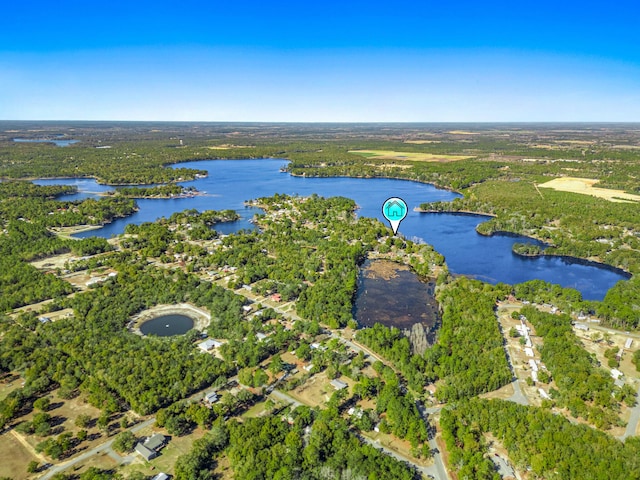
[(585, 186), (412, 156)]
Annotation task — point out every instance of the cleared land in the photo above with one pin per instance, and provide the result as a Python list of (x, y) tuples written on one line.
[(412, 156), (15, 457), (585, 186)]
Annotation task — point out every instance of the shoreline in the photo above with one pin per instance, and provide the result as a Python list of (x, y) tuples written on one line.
[(577, 260), (416, 209), (201, 318), (469, 213)]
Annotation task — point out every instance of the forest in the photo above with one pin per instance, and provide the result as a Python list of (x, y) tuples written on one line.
[(308, 250), (536, 439)]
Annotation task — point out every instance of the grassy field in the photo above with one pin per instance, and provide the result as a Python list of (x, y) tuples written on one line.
[(585, 186), (412, 156), (15, 458)]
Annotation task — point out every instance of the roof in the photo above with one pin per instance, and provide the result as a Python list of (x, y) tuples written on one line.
[(337, 384), (145, 452), (209, 344), (211, 397), (533, 365), (161, 476), (155, 441)]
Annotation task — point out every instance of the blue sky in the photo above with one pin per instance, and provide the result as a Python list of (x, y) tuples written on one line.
[(403, 61)]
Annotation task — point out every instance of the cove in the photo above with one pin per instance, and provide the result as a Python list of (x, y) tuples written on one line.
[(231, 182)]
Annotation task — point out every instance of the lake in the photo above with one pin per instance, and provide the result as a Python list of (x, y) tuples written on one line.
[(57, 142), (231, 182), (167, 325)]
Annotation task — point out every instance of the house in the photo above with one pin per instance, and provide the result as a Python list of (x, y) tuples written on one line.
[(615, 373), (533, 365), (394, 210), (308, 367), (211, 397), (355, 411), (209, 345), (582, 326), (246, 308), (155, 442), (161, 476), (276, 297), (528, 351), (145, 452), (44, 319), (260, 336), (534, 376), (627, 344), (544, 394), (338, 384)]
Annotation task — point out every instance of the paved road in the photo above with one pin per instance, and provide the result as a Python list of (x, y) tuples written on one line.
[(504, 467), (633, 420), (437, 470), (104, 447), (401, 458)]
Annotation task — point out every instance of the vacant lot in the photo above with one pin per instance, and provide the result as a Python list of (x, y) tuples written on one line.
[(413, 156), (585, 186), (315, 391), (15, 457)]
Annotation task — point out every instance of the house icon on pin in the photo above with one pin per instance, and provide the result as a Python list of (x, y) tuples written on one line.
[(394, 209)]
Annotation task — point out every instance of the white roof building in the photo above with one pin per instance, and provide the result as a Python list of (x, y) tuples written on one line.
[(211, 397), (628, 343), (338, 384), (209, 345), (533, 365), (528, 351), (615, 373), (544, 394), (534, 376)]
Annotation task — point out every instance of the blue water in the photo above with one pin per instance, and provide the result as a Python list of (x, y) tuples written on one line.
[(59, 143), (231, 182)]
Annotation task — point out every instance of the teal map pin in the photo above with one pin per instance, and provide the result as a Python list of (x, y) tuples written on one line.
[(394, 210)]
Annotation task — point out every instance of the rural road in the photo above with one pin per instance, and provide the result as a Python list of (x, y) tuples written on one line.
[(103, 447), (633, 420), (283, 397)]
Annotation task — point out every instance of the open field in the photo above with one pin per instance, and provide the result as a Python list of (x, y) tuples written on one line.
[(412, 156), (15, 458), (585, 186)]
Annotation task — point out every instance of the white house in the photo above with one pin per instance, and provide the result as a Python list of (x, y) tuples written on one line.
[(209, 345)]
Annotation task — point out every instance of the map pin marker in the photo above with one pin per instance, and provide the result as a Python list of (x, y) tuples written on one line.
[(394, 210)]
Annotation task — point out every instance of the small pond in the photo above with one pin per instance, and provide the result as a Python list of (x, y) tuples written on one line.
[(167, 325)]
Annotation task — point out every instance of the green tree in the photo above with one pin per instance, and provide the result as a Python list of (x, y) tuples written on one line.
[(124, 442)]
